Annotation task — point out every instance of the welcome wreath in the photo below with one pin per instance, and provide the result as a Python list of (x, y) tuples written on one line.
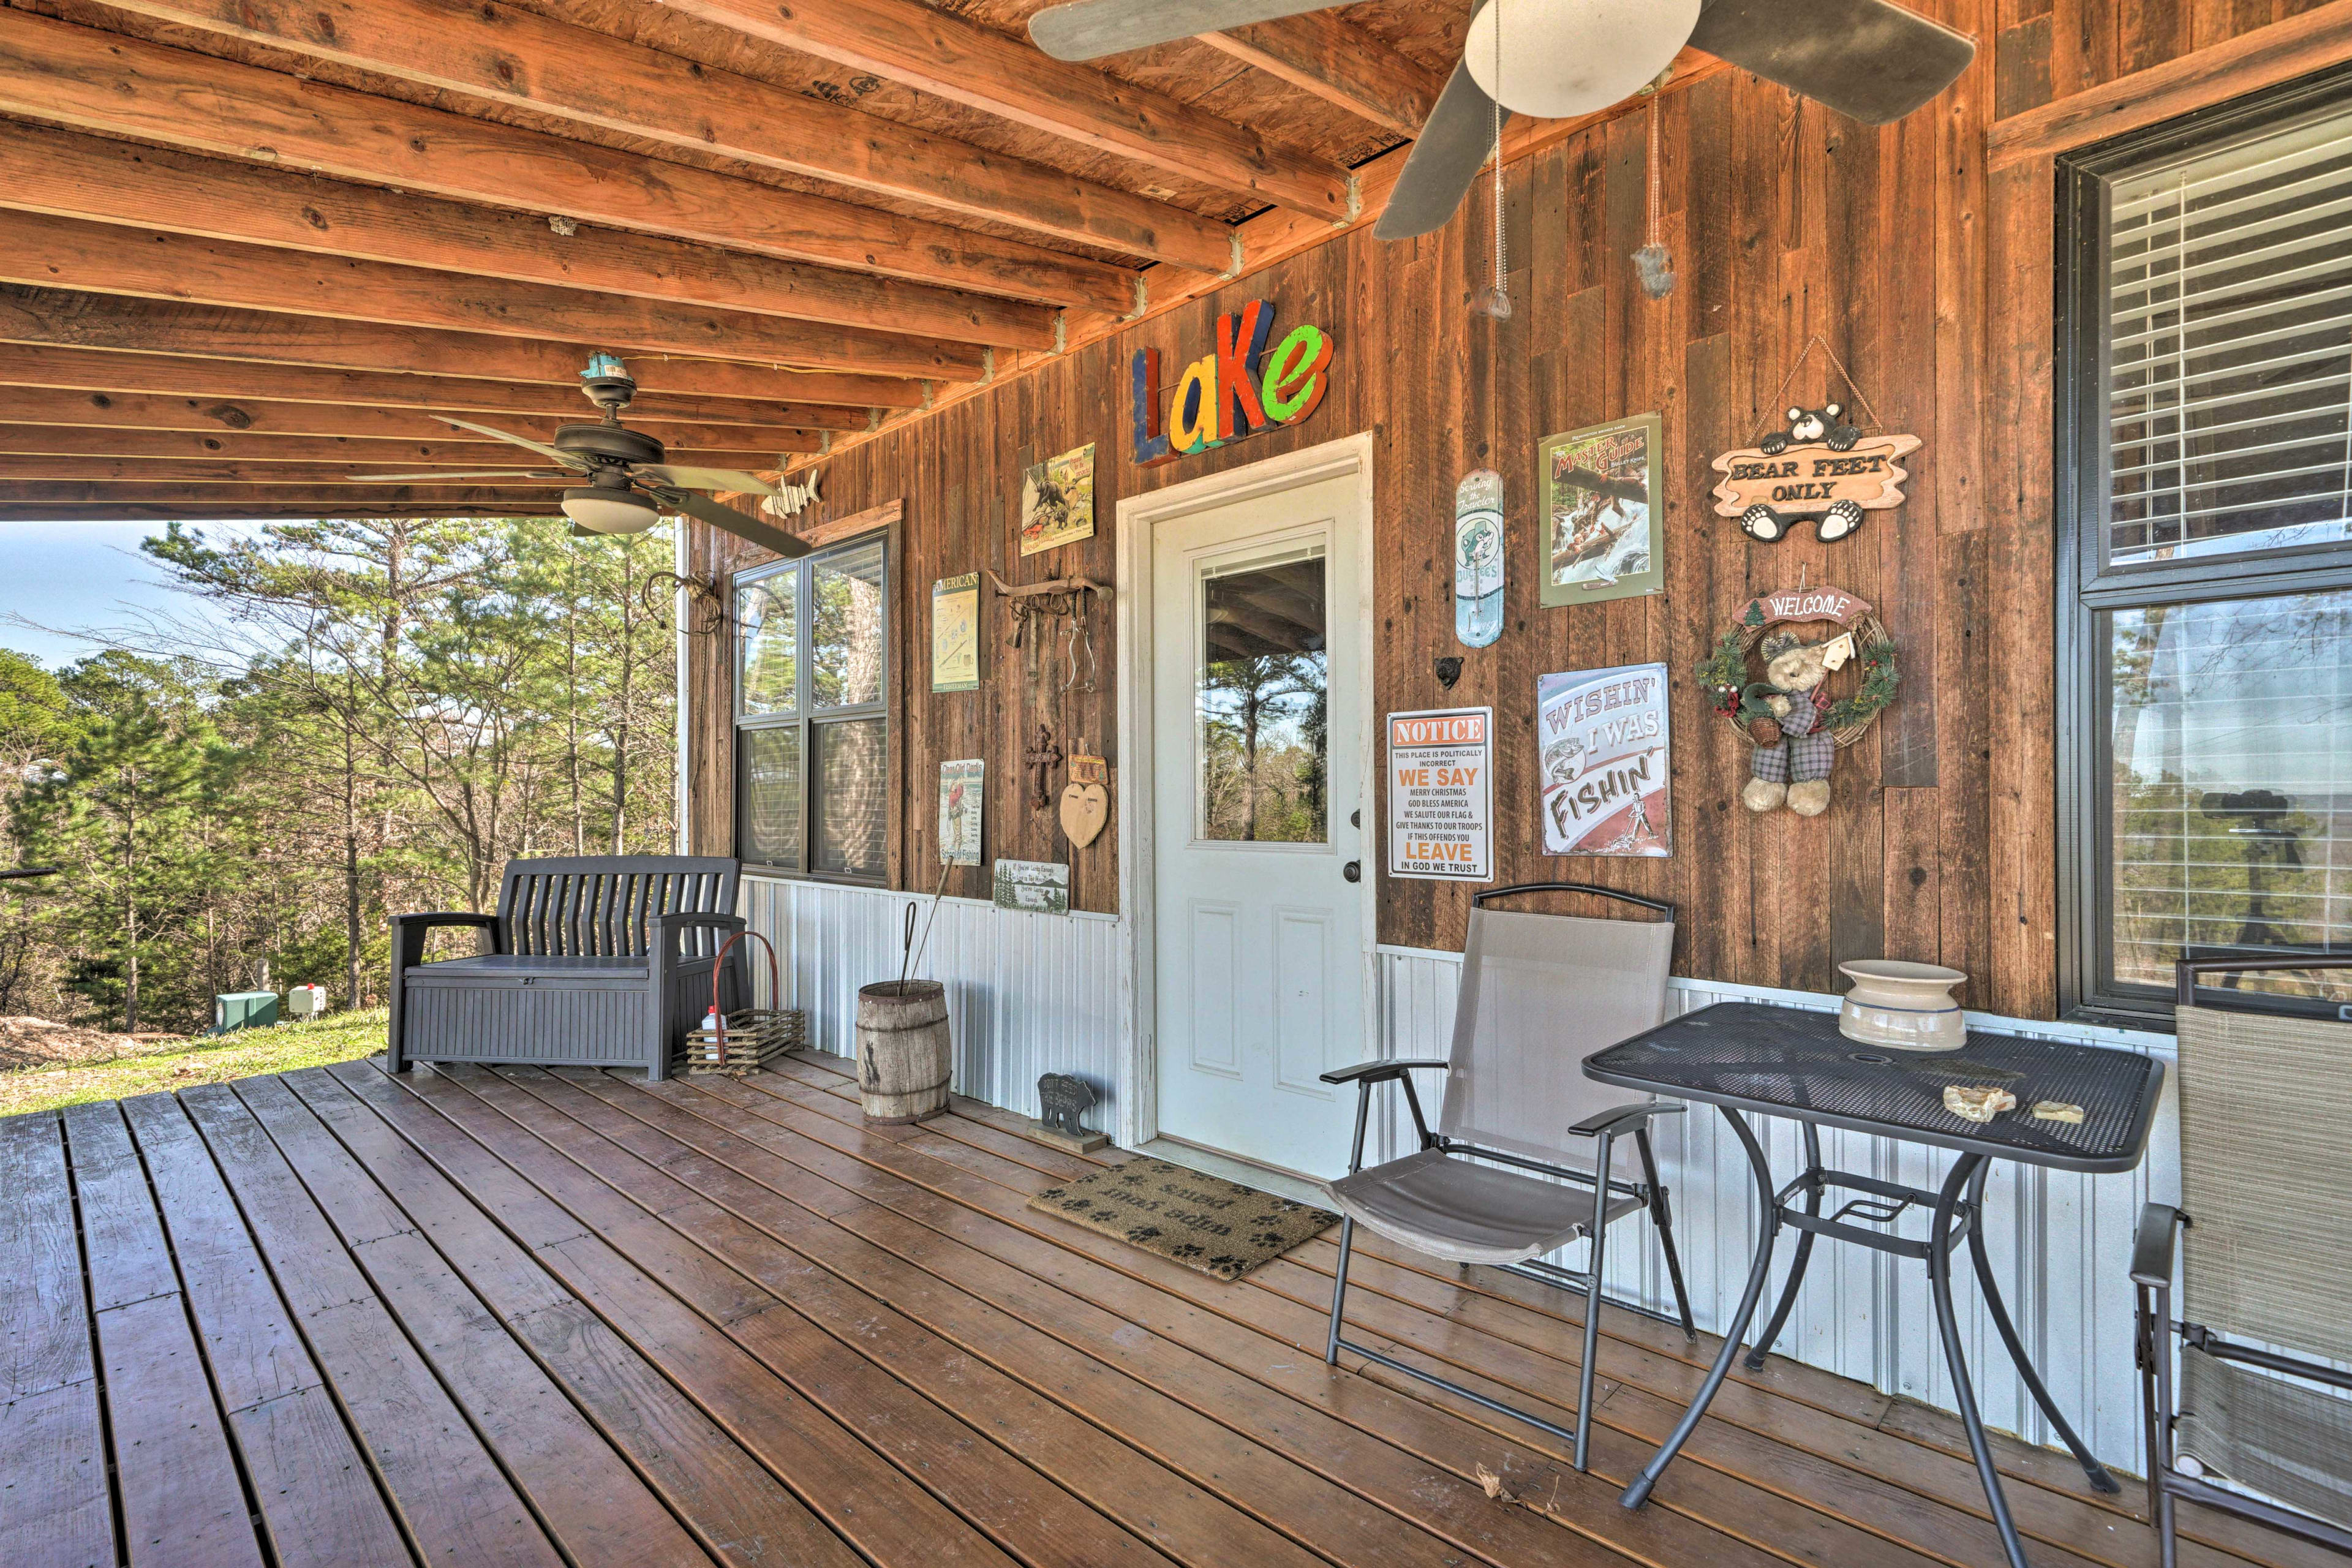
[(1726, 677)]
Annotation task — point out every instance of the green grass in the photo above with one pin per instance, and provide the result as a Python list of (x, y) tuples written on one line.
[(315, 1042)]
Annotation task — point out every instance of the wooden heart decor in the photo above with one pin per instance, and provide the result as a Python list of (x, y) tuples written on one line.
[(1085, 800)]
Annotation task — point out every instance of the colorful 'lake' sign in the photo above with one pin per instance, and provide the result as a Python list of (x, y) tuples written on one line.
[(1233, 391)]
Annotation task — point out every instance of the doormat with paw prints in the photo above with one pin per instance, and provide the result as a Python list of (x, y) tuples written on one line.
[(1217, 1226)]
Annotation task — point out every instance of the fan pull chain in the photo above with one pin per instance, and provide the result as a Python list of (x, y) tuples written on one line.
[(1496, 300)]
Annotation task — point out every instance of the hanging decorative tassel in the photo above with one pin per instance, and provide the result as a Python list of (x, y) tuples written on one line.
[(1652, 264)]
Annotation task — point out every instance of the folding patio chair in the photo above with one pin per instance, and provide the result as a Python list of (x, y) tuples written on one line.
[(1540, 993), (2265, 1255)]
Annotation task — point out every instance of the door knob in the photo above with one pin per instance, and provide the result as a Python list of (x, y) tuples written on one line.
[(1353, 870)]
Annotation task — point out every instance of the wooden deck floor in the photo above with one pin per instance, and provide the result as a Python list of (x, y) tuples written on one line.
[(518, 1318)]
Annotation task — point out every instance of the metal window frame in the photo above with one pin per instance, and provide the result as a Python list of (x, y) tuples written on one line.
[(2091, 587), (806, 718)]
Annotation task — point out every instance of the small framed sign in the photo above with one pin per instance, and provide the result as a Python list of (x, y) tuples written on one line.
[(960, 790), (1599, 521), (1040, 887), (1442, 793), (955, 632)]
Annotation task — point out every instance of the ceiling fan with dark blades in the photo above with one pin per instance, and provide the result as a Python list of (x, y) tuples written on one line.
[(1869, 59), (628, 486)]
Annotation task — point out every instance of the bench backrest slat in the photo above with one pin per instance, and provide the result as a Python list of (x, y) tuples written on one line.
[(605, 905)]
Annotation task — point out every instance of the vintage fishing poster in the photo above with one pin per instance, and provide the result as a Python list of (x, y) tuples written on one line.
[(955, 632), (1602, 742), (960, 811), (1478, 558), (1057, 501), (1598, 533), (1442, 793)]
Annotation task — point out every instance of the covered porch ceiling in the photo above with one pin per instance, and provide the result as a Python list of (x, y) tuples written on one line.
[(249, 248)]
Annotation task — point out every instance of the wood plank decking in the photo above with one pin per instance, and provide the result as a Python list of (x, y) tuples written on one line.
[(469, 1317)]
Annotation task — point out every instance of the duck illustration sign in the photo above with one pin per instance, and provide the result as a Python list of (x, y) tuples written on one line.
[(1602, 742)]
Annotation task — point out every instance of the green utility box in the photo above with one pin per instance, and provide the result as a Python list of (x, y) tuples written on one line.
[(244, 1010)]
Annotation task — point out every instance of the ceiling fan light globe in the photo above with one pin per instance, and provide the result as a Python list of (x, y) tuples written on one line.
[(610, 512), (1563, 58)]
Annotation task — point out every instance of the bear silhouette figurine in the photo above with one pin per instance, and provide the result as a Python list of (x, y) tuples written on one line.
[(1063, 1100), (1822, 426)]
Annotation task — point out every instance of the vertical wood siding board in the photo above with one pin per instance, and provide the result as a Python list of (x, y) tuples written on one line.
[(1914, 179), (2021, 60)]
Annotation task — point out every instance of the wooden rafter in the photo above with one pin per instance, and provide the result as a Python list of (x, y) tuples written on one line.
[(74, 175), (196, 471), (360, 455), (1340, 64), (114, 322), (609, 83), (38, 250), (828, 402), (216, 415), (936, 52), (229, 501), (96, 81)]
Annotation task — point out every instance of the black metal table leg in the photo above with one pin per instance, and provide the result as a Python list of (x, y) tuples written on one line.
[(1939, 1279), (1788, 1304), (1768, 1223), (2100, 1479)]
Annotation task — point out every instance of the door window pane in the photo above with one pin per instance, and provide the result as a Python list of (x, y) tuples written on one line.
[(2232, 816), (845, 650), (852, 804), (770, 791), (764, 638), (1262, 701)]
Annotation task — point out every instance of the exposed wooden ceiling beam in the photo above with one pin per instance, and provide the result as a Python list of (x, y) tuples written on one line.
[(74, 175), (936, 52), (42, 251), (515, 57), (362, 455), (213, 331), (456, 501), (166, 470), (275, 510), (1341, 64), (97, 80), (831, 402), (218, 416)]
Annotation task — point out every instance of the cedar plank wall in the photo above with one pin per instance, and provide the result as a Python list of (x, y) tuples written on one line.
[(1929, 279)]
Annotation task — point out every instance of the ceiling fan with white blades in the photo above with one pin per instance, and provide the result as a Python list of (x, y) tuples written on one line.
[(1868, 59), (628, 488)]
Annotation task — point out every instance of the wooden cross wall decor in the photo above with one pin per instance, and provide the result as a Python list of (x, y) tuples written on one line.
[(1043, 756)]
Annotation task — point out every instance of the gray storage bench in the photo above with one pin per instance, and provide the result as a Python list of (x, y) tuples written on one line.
[(595, 960)]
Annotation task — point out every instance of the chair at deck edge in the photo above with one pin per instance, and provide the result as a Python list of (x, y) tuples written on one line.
[(2266, 1270), (1584, 984)]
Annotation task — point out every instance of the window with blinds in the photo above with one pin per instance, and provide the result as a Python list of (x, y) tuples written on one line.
[(2228, 367), (2204, 510)]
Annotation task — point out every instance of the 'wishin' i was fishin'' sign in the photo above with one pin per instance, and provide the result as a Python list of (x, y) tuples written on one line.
[(1234, 392), (1602, 736)]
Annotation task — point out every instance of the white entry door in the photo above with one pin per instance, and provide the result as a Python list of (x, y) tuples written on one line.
[(1261, 924)]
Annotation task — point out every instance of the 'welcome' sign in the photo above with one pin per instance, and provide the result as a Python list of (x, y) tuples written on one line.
[(1236, 391)]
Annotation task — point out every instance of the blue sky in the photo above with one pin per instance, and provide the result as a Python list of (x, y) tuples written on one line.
[(73, 575)]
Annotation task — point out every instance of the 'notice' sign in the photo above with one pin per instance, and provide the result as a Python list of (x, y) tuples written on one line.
[(1440, 794)]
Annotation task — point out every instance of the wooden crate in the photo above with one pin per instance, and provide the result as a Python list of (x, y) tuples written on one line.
[(754, 1037)]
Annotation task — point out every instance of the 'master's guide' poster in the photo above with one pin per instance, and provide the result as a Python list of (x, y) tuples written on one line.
[(1601, 738), (1440, 794)]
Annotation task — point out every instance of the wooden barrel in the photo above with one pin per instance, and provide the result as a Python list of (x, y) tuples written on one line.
[(904, 1056)]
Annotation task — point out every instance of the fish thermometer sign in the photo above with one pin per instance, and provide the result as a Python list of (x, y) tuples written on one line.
[(1441, 794)]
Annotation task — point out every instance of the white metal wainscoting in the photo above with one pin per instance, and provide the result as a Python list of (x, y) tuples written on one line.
[(1027, 993), (2060, 1242)]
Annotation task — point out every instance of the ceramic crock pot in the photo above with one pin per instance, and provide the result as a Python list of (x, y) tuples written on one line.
[(1907, 1005)]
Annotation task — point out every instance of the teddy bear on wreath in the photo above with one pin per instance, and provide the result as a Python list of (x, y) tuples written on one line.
[(1796, 733)]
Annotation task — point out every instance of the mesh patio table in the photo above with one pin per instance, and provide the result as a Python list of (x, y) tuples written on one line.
[(1791, 1062)]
